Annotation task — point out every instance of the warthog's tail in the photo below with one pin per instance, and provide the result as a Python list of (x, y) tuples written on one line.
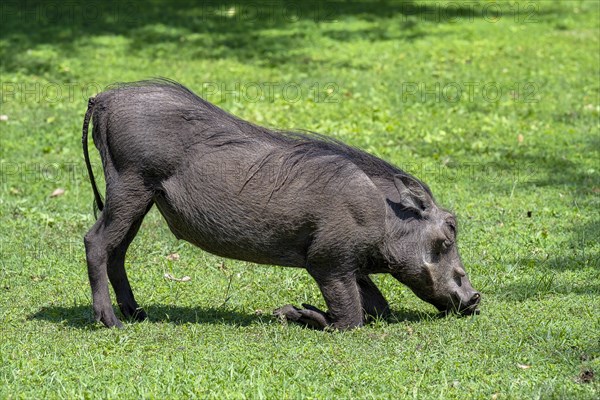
[(86, 155)]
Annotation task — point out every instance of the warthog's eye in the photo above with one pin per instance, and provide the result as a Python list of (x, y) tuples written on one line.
[(446, 244), (443, 245), (452, 226)]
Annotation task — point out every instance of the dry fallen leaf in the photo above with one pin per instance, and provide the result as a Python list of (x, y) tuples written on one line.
[(172, 278), (523, 366), (58, 192), (173, 257), (520, 138)]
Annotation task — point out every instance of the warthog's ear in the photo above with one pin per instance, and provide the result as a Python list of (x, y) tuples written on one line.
[(413, 195)]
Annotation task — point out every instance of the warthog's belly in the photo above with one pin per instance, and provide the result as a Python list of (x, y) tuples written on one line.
[(263, 240)]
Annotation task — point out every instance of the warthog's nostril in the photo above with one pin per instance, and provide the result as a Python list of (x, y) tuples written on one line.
[(475, 298)]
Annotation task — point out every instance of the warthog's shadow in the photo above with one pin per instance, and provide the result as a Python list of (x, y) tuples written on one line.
[(81, 316)]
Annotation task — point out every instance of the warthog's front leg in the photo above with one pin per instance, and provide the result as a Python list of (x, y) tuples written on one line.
[(343, 300), (373, 302), (309, 316)]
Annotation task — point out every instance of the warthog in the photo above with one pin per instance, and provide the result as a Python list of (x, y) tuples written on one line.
[(250, 193)]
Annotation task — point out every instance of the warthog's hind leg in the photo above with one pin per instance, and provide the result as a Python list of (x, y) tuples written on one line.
[(118, 276), (106, 244)]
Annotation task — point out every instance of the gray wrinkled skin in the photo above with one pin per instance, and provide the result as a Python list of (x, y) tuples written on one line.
[(241, 191)]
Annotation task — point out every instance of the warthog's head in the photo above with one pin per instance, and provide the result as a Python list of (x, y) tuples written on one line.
[(422, 251)]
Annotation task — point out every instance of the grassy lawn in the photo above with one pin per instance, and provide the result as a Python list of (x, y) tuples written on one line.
[(495, 105)]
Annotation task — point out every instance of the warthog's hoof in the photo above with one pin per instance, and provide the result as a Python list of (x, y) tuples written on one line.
[(109, 319), (288, 312), (132, 312), (310, 316), (139, 315)]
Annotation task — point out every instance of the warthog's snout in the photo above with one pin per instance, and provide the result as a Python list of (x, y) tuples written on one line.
[(467, 306)]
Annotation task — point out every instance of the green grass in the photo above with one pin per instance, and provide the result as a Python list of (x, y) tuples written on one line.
[(520, 169)]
